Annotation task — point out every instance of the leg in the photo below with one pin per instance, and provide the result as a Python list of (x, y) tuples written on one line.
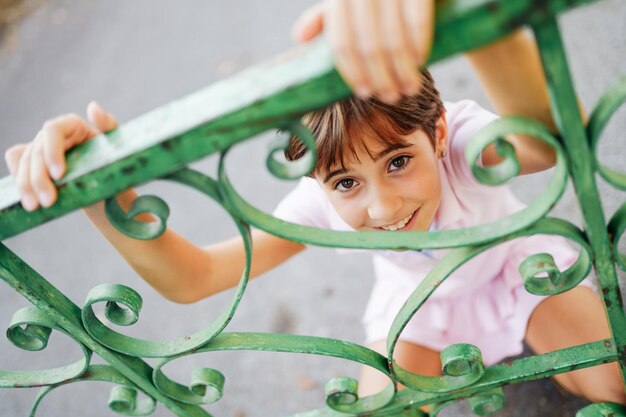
[(414, 358), (573, 318)]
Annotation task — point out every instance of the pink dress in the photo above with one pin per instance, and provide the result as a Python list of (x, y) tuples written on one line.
[(483, 302)]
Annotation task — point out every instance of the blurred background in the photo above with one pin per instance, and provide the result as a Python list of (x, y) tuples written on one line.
[(133, 56)]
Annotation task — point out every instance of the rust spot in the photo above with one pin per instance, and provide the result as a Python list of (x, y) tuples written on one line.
[(128, 170), (540, 6), (517, 22), (608, 302), (605, 291), (493, 7), (167, 145), (142, 161), (80, 185)]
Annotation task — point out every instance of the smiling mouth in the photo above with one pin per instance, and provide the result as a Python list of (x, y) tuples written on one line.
[(401, 224)]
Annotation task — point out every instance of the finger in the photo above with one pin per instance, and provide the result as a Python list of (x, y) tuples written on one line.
[(43, 188), (102, 120), (341, 39), (60, 134), (12, 157), (53, 149), (403, 65), (372, 55), (309, 24), (419, 16), (22, 180)]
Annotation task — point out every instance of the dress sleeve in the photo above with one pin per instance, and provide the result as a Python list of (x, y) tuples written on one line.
[(304, 205), (464, 118)]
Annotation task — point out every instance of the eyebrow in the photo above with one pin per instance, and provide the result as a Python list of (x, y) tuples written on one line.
[(334, 173), (391, 148)]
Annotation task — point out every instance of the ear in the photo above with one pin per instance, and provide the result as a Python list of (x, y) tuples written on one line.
[(441, 136)]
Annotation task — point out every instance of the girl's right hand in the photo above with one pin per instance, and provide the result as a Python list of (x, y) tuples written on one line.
[(34, 165), (378, 44)]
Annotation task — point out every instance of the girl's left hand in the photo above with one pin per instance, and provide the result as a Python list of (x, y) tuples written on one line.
[(378, 44), (36, 164)]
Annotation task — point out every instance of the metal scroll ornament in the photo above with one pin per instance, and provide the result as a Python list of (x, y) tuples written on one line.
[(187, 134), (425, 240), (126, 223), (30, 329), (124, 304)]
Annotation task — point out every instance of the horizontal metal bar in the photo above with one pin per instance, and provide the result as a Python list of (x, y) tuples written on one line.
[(260, 98)]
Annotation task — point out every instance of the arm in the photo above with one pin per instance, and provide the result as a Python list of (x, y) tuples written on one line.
[(183, 272), (175, 267), (512, 75)]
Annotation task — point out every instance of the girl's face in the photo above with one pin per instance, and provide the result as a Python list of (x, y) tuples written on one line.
[(389, 187)]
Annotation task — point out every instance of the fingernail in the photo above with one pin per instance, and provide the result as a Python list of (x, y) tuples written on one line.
[(29, 203), (45, 198), (411, 90), (390, 98), (56, 171), (362, 91)]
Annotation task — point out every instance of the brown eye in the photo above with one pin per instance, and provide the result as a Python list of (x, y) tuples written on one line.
[(345, 184), (398, 163)]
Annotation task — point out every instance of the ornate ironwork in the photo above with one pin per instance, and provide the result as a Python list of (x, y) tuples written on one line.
[(162, 143)]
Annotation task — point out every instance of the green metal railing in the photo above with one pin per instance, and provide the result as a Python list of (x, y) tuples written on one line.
[(162, 143)]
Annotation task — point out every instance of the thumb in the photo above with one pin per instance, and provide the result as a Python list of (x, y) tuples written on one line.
[(309, 24), (13, 156), (102, 120)]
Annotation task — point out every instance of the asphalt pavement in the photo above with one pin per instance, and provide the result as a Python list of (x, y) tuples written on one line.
[(133, 56)]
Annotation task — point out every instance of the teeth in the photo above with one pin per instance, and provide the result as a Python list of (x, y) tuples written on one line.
[(400, 224)]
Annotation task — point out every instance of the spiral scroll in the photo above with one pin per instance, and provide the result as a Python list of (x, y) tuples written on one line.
[(425, 240), (341, 395), (123, 304), (446, 266), (607, 106), (34, 337), (602, 410), (292, 169), (185, 136), (123, 399), (616, 228), (128, 225), (485, 403)]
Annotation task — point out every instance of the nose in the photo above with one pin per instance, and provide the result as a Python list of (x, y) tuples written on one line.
[(384, 204)]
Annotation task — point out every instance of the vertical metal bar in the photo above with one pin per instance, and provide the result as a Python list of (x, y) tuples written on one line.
[(567, 116)]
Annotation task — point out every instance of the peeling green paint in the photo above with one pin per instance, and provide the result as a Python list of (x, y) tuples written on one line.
[(163, 142)]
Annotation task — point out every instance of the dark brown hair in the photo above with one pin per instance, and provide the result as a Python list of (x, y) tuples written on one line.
[(338, 127)]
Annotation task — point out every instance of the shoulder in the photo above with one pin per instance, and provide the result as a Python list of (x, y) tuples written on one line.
[(463, 198), (308, 205), (464, 119), (304, 205)]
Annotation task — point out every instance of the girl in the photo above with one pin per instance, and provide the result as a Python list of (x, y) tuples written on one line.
[(389, 167)]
